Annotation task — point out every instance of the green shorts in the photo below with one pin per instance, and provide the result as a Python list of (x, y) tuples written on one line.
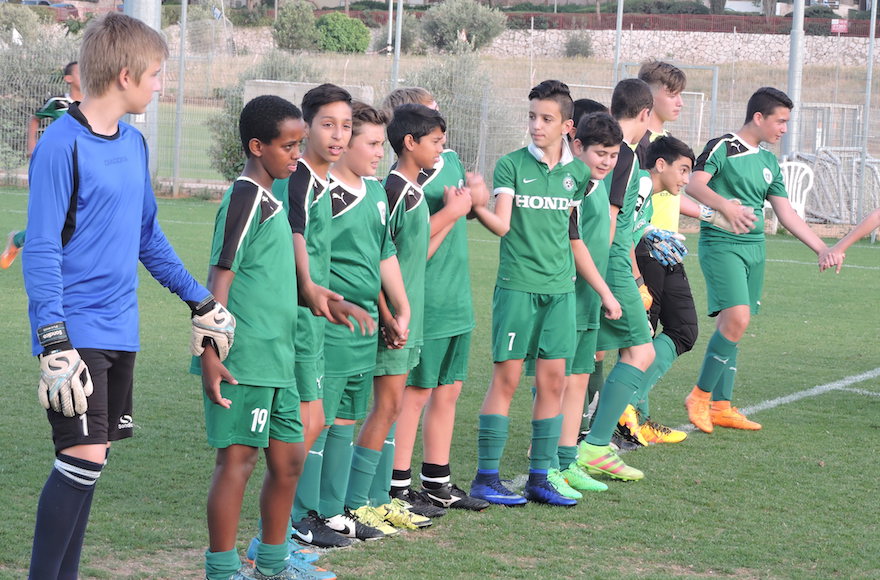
[(442, 362), (256, 415), (632, 328), (584, 360), (347, 397), (399, 361), (734, 274), (527, 325), (310, 379)]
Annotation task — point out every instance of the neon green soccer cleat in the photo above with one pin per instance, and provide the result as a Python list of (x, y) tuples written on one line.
[(556, 479), (604, 460), (579, 479)]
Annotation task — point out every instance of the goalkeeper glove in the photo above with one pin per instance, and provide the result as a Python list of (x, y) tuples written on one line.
[(716, 218), (212, 324), (65, 382), (666, 247), (647, 299)]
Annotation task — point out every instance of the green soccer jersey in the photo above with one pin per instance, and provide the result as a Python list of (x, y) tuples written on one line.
[(594, 223), (738, 170), (360, 240), (449, 307), (252, 238), (54, 108), (626, 185), (410, 225), (308, 211), (535, 254), (644, 210)]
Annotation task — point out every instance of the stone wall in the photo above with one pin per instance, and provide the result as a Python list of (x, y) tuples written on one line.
[(689, 47)]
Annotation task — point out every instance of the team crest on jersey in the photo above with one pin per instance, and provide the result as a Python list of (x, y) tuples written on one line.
[(568, 182), (768, 175), (382, 211)]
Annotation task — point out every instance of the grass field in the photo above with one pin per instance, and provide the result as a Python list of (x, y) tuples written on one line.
[(796, 500)]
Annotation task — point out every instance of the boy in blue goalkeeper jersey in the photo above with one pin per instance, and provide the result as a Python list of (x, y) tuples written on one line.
[(91, 219)]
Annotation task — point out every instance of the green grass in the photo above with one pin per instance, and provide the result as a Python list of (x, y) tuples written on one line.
[(796, 500)]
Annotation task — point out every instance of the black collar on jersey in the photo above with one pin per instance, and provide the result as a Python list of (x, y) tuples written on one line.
[(77, 114)]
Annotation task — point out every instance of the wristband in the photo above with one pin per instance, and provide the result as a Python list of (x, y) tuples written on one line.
[(203, 307), (53, 337), (640, 281)]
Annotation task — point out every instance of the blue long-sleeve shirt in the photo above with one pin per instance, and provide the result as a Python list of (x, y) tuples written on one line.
[(91, 218)]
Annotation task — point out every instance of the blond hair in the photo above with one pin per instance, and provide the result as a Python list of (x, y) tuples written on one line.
[(114, 42), (659, 73), (406, 96)]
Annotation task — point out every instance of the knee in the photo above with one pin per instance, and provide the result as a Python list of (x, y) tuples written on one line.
[(446, 394)]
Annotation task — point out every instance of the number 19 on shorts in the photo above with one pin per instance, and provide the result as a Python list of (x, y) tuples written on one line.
[(258, 421)]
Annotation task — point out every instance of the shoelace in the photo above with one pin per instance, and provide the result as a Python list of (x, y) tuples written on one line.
[(658, 427)]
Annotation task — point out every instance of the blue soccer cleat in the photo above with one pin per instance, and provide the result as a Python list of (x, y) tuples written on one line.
[(494, 492), (544, 492)]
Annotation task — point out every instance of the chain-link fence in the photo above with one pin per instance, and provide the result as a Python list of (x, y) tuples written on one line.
[(483, 97)]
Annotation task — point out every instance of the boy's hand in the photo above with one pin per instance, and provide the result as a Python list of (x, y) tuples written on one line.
[(733, 217), (213, 372), (612, 308), (343, 309), (831, 258), (457, 199), (396, 332), (479, 191), (318, 299), (65, 382), (212, 323)]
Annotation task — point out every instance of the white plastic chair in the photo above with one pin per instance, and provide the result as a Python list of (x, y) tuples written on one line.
[(798, 179)]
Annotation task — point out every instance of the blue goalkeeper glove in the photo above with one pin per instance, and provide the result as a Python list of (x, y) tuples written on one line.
[(666, 247)]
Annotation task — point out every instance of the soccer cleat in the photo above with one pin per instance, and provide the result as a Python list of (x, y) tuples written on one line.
[(347, 525), (580, 480), (398, 514), (654, 432), (557, 480), (727, 416), (370, 516), (604, 460), (546, 492), (313, 531), (628, 425), (10, 252), (294, 571), (697, 405), (418, 503), (624, 440), (493, 491), (450, 495), (296, 551)]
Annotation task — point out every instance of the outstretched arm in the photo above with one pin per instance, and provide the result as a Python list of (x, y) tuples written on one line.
[(866, 226)]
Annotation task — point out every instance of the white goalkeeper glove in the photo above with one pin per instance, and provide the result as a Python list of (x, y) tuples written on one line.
[(716, 218), (666, 246), (65, 382), (212, 324)]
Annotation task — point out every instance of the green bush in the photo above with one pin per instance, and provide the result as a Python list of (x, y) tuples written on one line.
[(294, 29), (579, 44), (658, 7), (442, 24), (526, 22), (410, 41), (23, 19), (249, 18), (225, 151), (369, 5), (340, 33)]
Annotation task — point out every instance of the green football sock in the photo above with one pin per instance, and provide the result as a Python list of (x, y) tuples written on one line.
[(272, 558), (221, 565), (335, 470), (309, 486), (723, 391), (718, 353), (665, 355), (363, 471), (597, 379), (566, 455), (545, 440), (491, 439), (382, 480), (622, 383), (18, 239)]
